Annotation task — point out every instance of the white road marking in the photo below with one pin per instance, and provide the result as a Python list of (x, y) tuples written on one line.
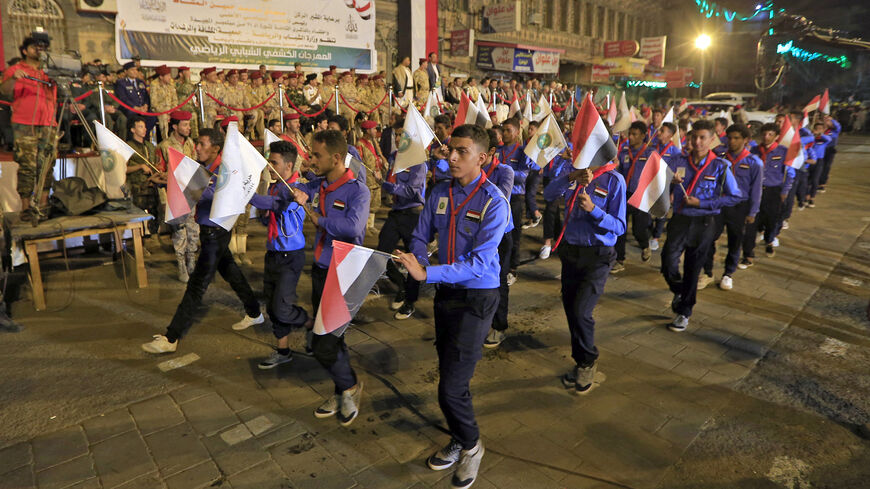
[(177, 362), (834, 347), (236, 435)]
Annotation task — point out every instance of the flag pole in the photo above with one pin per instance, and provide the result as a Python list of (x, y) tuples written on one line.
[(279, 176)]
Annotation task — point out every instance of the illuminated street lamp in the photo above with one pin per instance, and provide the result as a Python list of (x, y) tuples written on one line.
[(702, 42)]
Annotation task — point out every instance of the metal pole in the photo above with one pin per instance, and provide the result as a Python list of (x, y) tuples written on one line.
[(336, 102), (201, 104), (281, 104), (102, 104), (551, 99), (391, 99), (701, 87)]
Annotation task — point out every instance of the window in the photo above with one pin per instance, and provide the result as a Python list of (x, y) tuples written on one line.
[(26, 15), (547, 8), (564, 15), (587, 19), (577, 26), (600, 25)]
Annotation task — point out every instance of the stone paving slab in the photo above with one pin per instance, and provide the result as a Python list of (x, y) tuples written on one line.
[(223, 422)]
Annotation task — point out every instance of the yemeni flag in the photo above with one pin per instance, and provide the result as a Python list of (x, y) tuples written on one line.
[(468, 113), (114, 154), (814, 104), (186, 180), (611, 111), (547, 142), (353, 271), (416, 136), (481, 106), (653, 195), (515, 107), (825, 103), (806, 120), (592, 144), (791, 139), (683, 106), (238, 178)]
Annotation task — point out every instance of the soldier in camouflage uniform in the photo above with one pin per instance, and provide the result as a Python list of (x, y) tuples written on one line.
[(141, 176), (327, 90), (259, 93), (377, 91), (163, 97), (370, 151), (235, 96), (348, 91), (215, 88), (271, 84), (185, 235), (421, 82), (183, 88), (364, 95), (295, 94), (33, 120)]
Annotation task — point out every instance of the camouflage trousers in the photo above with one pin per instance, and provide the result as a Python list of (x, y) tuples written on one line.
[(185, 236), (34, 150), (241, 225)]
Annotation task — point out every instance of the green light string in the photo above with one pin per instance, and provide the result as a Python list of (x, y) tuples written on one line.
[(807, 56), (713, 10)]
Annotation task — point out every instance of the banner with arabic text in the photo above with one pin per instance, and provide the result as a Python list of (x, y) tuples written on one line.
[(517, 60), (201, 33)]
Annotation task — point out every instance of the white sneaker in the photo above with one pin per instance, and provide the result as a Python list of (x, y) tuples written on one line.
[(704, 280), (467, 467), (247, 322), (726, 284), (679, 324), (329, 407), (654, 244), (785, 224), (545, 252), (160, 344), (511, 278), (350, 404), (775, 242)]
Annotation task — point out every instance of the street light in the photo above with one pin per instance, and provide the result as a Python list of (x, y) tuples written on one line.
[(702, 42)]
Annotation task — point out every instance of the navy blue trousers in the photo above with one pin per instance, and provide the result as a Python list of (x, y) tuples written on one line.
[(462, 321), (584, 272), (693, 236), (281, 271), (330, 350)]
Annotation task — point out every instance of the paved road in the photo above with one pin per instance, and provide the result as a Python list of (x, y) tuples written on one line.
[(769, 388)]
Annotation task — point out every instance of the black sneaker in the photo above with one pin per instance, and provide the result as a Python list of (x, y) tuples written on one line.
[(675, 302), (745, 263), (769, 251), (404, 312)]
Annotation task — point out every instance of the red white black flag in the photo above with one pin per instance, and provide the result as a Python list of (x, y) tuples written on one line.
[(353, 271), (653, 194), (593, 145)]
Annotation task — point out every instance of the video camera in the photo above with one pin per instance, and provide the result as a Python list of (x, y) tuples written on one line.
[(64, 68)]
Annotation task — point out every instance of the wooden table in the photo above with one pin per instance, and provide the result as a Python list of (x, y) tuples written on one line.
[(114, 222)]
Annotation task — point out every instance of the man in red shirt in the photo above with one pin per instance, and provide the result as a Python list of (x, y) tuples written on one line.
[(34, 100)]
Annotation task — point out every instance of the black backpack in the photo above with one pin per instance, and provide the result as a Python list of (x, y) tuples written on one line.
[(72, 197)]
